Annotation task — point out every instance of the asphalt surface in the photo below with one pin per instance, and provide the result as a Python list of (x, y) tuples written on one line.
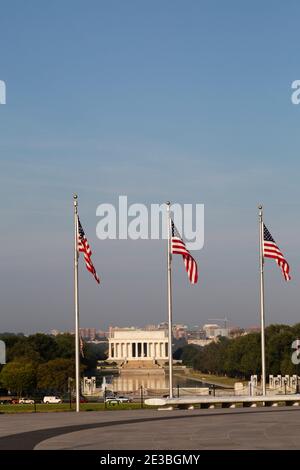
[(239, 429)]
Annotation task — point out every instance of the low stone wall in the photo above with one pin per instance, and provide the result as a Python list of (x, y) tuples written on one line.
[(142, 371)]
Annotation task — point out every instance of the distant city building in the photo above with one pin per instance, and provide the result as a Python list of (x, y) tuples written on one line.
[(163, 326), (212, 330), (180, 331), (224, 332), (55, 332), (236, 332), (151, 327), (196, 334), (252, 329), (88, 333), (193, 335), (209, 329), (102, 334), (194, 328), (136, 344), (201, 342)]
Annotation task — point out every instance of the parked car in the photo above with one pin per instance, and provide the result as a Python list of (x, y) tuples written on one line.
[(52, 399), (66, 398), (26, 401), (123, 399), (118, 399), (73, 400), (5, 401)]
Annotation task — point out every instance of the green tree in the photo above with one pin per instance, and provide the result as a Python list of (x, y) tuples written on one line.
[(54, 374), (189, 353), (44, 345), (92, 354), (279, 352), (296, 331), (250, 355), (15, 345), (18, 376), (65, 344), (23, 350), (214, 356), (11, 338)]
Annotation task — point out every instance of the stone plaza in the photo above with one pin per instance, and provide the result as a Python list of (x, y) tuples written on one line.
[(230, 429)]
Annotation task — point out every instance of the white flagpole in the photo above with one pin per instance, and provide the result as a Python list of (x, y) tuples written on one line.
[(76, 302), (262, 299), (170, 339)]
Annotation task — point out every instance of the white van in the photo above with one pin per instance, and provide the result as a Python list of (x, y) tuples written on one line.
[(52, 399)]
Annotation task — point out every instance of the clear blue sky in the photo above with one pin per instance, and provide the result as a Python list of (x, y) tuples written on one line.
[(180, 100)]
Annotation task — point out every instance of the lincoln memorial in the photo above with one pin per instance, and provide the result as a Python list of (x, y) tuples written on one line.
[(132, 344)]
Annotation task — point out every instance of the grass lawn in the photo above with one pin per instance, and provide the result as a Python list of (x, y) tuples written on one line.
[(66, 407)]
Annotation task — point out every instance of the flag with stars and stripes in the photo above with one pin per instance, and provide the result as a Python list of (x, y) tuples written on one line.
[(271, 250), (84, 247), (178, 248), (81, 346)]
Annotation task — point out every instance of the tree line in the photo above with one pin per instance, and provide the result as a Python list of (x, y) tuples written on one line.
[(41, 362), (241, 357)]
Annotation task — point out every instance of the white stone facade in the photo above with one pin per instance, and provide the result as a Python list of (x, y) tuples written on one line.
[(130, 344)]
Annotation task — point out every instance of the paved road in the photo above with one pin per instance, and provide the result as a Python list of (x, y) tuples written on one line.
[(154, 430)]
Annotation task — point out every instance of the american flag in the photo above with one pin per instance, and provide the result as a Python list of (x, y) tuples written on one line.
[(271, 250), (178, 248), (84, 247), (81, 346)]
